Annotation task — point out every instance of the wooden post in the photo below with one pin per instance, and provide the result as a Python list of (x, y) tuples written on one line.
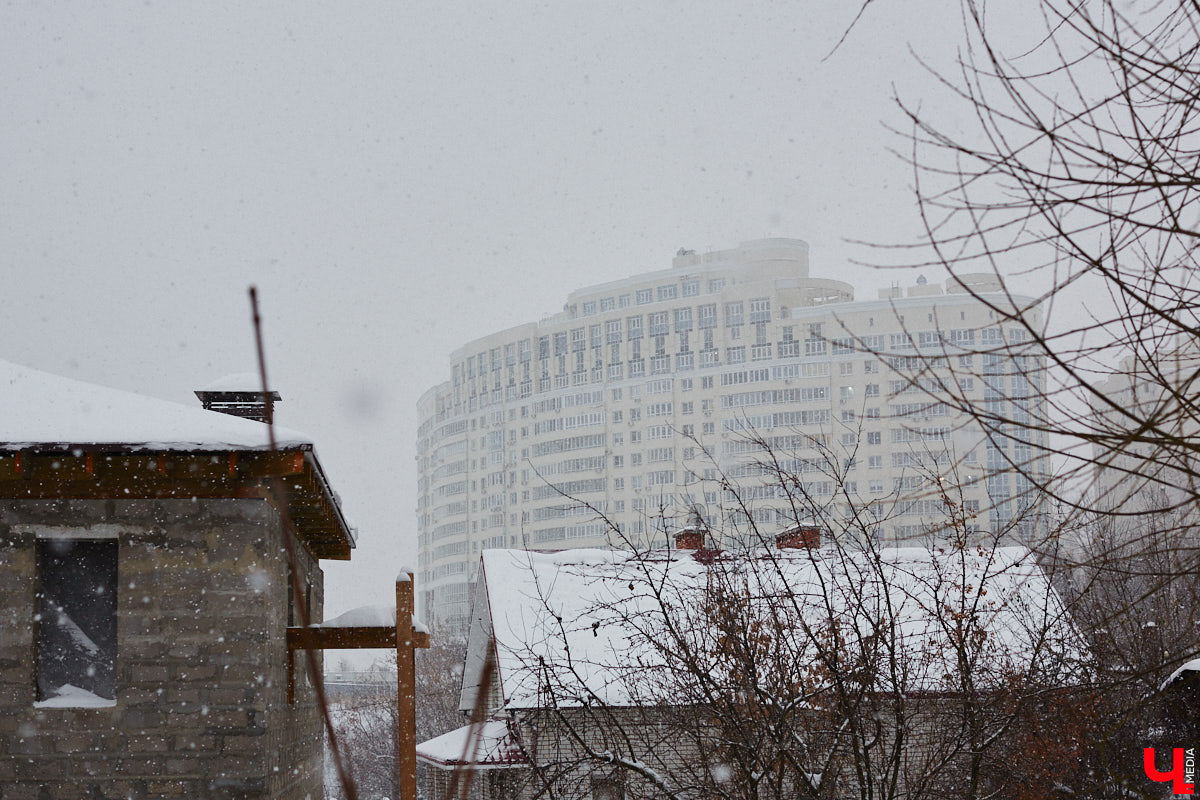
[(406, 683)]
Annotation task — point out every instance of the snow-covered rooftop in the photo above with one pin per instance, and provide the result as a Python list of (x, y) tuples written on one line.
[(493, 746), (590, 622), (363, 617), (1182, 672), (38, 409)]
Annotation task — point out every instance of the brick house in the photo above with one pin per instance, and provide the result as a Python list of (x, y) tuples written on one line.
[(634, 675), (144, 597)]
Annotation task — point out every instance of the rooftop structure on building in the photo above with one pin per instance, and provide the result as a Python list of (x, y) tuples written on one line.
[(146, 598), (648, 397)]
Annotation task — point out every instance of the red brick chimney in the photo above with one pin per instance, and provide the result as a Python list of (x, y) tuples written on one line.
[(799, 537), (693, 534)]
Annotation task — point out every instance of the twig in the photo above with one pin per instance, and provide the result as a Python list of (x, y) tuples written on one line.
[(279, 499)]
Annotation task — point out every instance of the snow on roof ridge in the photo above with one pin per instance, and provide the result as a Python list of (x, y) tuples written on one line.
[(589, 599), (40, 408), (235, 382), (1190, 666), (374, 616)]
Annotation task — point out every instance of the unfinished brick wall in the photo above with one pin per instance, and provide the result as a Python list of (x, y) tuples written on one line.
[(201, 707)]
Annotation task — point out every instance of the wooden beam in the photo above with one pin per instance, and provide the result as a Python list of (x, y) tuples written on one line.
[(140, 466), (101, 489), (406, 690), (340, 638), (99, 472), (349, 638)]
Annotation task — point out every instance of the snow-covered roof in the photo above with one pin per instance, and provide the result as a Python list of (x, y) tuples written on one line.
[(494, 746), (590, 623), (1183, 672), (39, 409), (363, 617)]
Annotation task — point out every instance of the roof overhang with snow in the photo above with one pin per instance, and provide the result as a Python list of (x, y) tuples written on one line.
[(491, 744), (605, 609), (62, 439)]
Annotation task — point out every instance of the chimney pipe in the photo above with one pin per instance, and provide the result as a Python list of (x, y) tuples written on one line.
[(239, 395), (693, 533)]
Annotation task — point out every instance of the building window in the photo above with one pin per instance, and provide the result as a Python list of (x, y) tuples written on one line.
[(612, 331), (734, 314), (589, 308), (660, 323), (644, 296), (75, 627), (691, 288), (760, 310), (668, 292)]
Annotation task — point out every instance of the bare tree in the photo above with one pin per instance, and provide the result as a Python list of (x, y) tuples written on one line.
[(741, 670), (1076, 179), (366, 719)]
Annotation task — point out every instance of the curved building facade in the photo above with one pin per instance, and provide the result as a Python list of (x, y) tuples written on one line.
[(650, 396)]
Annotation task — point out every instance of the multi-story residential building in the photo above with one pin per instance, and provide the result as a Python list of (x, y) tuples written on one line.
[(649, 396), (1143, 424)]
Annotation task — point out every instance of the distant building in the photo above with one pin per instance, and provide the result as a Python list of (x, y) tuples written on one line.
[(145, 597), (637, 398), (1144, 421)]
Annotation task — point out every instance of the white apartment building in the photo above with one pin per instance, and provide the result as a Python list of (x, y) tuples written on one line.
[(649, 396), (1143, 421)]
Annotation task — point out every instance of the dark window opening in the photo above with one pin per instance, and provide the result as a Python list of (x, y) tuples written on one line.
[(76, 621), (608, 788)]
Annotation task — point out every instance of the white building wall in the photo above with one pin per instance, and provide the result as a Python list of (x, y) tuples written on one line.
[(638, 397), (1142, 422)]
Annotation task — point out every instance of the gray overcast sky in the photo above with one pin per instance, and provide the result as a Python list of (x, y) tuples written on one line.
[(399, 178)]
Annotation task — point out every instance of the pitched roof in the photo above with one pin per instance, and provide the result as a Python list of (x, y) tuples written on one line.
[(39, 410), (590, 622)]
